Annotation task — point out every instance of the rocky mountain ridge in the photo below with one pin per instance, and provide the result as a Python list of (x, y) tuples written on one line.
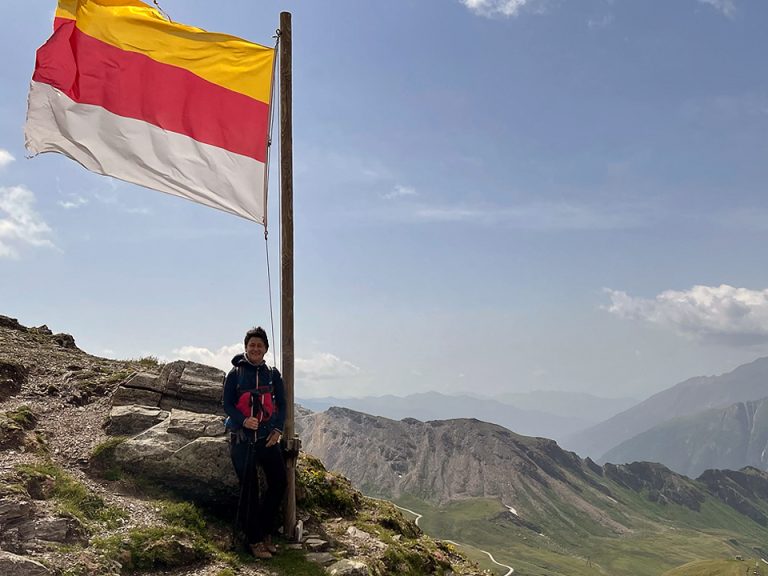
[(722, 438), (748, 382), (444, 461)]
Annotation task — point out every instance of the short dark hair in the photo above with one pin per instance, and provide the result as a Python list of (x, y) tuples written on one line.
[(257, 332)]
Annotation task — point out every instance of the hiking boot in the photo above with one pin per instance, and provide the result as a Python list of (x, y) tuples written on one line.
[(260, 551)]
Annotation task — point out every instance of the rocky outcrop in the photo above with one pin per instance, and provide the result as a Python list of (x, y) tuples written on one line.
[(181, 385), (187, 452), (176, 425), (12, 378), (14, 565), (24, 529), (659, 482), (746, 490)]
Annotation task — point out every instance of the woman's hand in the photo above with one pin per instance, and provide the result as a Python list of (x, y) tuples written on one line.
[(251, 423), (274, 438)]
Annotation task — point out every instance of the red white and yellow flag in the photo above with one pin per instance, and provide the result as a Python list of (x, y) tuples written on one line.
[(128, 94)]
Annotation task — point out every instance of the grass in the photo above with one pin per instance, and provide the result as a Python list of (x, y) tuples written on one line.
[(664, 538), (103, 458), (73, 498), (295, 563), (717, 568), (23, 416), (324, 492), (155, 547)]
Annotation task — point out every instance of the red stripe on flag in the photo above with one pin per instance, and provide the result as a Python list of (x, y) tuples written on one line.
[(134, 86)]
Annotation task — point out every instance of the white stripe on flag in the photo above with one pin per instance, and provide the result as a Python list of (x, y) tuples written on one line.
[(141, 153)]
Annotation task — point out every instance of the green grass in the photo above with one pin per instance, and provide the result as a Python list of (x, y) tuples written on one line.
[(73, 498), (103, 460), (663, 538), (717, 568), (155, 547), (294, 563), (23, 416)]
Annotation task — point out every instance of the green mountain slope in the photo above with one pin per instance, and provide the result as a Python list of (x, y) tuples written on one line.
[(539, 508)]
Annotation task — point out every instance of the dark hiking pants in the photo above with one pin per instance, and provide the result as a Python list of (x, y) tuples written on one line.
[(256, 515)]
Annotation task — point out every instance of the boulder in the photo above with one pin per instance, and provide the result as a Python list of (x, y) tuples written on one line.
[(187, 452), (65, 341), (132, 420), (21, 565), (348, 568), (12, 378), (183, 385)]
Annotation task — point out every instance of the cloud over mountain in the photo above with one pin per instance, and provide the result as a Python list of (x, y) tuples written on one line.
[(736, 316)]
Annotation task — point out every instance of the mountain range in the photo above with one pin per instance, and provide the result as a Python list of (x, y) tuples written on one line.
[(549, 414), (537, 505), (746, 383), (731, 437)]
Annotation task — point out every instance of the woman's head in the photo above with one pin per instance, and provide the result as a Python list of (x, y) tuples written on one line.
[(256, 344)]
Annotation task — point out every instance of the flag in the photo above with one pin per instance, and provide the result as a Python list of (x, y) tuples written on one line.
[(128, 94)]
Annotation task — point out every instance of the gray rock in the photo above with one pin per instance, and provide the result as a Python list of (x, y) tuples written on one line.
[(62, 530), (322, 558), (348, 568), (131, 420), (125, 396), (14, 565), (65, 341), (355, 532), (12, 378), (316, 544), (180, 385), (187, 452), (13, 511)]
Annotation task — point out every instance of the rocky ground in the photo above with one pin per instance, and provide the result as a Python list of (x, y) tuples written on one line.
[(66, 508)]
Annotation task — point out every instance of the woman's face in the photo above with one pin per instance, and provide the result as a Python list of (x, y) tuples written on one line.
[(255, 350)]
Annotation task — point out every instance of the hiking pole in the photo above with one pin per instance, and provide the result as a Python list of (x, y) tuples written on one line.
[(240, 499)]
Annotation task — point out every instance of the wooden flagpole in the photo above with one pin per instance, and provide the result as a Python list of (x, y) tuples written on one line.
[(286, 316)]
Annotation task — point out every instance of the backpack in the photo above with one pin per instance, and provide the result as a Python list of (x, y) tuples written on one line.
[(258, 403)]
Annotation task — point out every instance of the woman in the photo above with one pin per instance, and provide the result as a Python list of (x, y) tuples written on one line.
[(254, 400)]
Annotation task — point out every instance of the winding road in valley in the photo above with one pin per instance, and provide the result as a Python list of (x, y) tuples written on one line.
[(420, 516)]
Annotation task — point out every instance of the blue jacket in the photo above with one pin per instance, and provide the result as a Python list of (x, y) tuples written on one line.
[(244, 377)]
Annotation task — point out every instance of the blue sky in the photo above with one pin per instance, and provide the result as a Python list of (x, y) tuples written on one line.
[(490, 195)]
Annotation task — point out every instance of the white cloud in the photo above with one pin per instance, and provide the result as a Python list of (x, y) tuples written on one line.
[(727, 7), (220, 358), (736, 316), (19, 223), (5, 158), (539, 216), (75, 201), (399, 192), (324, 366), (320, 374), (494, 8), (600, 22)]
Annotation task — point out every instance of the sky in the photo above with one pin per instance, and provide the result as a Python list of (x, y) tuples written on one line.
[(490, 196)]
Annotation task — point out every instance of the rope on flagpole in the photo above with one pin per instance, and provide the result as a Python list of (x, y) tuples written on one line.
[(266, 187), (163, 12)]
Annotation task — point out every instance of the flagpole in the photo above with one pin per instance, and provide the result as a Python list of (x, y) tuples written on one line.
[(286, 202)]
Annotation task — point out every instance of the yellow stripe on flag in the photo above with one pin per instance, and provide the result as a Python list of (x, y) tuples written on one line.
[(222, 59), (66, 9)]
